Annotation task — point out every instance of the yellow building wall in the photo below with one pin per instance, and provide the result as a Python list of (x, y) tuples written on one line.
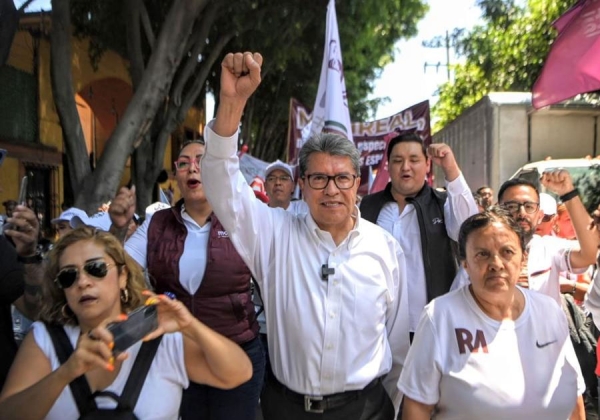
[(111, 65), (10, 179)]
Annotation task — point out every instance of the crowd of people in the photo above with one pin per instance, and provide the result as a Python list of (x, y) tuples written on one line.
[(414, 303)]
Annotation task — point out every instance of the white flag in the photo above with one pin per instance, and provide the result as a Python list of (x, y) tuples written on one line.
[(330, 112)]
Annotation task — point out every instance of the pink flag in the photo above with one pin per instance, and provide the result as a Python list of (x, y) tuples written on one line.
[(568, 16), (573, 64)]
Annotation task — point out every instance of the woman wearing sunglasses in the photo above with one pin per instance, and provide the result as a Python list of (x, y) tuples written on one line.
[(91, 281), (187, 252)]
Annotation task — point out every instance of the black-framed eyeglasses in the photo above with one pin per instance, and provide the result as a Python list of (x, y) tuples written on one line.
[(321, 181), (515, 206), (69, 275), (184, 163), (283, 178)]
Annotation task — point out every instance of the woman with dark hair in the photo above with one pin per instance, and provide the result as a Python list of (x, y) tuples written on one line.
[(91, 281), (492, 349), (187, 252)]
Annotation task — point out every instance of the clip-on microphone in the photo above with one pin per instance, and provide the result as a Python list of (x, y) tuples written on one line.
[(326, 271)]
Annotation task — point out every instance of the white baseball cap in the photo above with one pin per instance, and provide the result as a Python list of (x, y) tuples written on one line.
[(281, 166), (547, 204), (100, 220), (69, 214)]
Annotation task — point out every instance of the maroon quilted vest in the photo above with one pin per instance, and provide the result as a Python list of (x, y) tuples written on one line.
[(223, 301)]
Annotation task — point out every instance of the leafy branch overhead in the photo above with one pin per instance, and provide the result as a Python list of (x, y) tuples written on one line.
[(174, 49), (505, 53)]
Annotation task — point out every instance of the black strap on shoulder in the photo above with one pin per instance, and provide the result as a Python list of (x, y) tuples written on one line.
[(80, 388), (139, 371)]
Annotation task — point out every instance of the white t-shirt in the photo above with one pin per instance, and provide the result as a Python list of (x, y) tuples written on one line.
[(473, 367), (192, 263), (161, 394)]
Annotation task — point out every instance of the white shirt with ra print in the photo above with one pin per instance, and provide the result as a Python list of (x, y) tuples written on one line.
[(325, 335), (473, 367)]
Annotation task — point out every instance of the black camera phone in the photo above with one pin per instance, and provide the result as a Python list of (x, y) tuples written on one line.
[(22, 200), (138, 324)]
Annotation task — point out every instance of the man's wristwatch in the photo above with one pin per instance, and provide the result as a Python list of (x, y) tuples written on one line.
[(31, 259)]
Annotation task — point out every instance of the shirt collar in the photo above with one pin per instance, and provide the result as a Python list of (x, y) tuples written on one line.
[(320, 236)]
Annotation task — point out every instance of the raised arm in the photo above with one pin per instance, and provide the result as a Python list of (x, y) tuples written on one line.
[(460, 203), (559, 181), (240, 76), (247, 220), (25, 238)]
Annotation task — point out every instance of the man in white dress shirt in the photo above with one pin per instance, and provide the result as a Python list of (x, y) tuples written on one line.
[(425, 221), (334, 285)]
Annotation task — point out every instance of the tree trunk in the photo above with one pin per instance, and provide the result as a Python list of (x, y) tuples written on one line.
[(9, 23), (150, 157), (64, 95), (145, 175), (101, 186)]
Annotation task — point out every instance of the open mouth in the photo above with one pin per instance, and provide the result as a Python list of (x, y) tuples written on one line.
[(87, 299), (193, 183)]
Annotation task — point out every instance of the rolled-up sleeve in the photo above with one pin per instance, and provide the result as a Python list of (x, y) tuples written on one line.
[(459, 206), (233, 201)]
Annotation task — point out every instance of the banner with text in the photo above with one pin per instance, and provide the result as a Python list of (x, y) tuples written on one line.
[(369, 137)]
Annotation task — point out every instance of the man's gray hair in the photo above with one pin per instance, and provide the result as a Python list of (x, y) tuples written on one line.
[(332, 144)]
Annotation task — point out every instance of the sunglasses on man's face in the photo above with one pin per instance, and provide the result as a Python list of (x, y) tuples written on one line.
[(547, 218), (67, 276)]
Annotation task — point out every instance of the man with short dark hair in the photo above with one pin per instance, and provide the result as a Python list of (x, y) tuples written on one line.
[(548, 256), (425, 221), (334, 284), (486, 194)]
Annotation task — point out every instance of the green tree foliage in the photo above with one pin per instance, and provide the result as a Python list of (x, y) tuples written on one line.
[(289, 33), (291, 38), (505, 53)]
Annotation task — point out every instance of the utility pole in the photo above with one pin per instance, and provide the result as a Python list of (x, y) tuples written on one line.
[(439, 42)]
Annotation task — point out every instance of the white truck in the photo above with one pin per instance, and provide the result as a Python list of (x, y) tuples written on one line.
[(493, 139)]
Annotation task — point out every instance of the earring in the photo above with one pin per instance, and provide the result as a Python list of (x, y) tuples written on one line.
[(64, 311), (124, 295)]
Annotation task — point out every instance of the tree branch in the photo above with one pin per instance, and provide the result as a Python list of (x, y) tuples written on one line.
[(134, 40), (199, 35), (153, 88), (147, 25), (64, 95), (24, 5), (176, 114), (9, 23)]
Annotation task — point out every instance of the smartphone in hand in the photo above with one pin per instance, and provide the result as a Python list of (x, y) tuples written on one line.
[(21, 201), (138, 324)]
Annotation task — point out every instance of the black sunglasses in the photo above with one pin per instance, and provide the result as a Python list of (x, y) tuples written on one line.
[(67, 276)]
